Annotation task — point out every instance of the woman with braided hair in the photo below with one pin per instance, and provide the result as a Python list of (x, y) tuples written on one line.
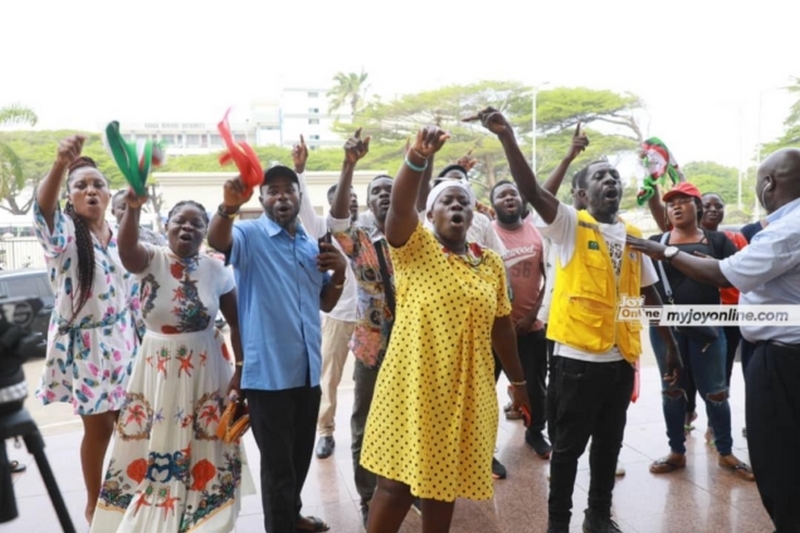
[(92, 338)]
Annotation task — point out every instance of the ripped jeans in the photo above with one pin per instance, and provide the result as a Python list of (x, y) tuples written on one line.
[(708, 370)]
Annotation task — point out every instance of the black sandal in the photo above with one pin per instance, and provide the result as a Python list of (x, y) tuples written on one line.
[(16, 467)]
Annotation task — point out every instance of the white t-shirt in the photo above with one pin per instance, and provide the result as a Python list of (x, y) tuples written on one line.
[(562, 232), (548, 253), (316, 226)]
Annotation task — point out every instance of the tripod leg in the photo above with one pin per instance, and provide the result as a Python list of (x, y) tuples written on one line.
[(35, 444)]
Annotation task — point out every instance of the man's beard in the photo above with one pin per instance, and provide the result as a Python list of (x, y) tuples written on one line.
[(508, 218)]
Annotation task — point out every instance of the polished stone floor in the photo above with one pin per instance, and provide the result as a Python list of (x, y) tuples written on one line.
[(701, 498)]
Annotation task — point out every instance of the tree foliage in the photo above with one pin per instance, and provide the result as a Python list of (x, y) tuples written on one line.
[(558, 111), (791, 136), (724, 181), (609, 121), (12, 168), (350, 89)]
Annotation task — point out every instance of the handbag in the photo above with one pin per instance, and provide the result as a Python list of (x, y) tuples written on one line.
[(702, 334), (234, 423)]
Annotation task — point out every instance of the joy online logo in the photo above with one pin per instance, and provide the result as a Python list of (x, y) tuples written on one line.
[(632, 309)]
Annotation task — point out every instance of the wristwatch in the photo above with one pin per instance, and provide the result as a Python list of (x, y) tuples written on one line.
[(670, 252)]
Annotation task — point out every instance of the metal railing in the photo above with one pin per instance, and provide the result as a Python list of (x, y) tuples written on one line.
[(21, 252)]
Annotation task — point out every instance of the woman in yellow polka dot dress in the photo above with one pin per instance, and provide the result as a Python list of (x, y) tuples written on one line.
[(433, 423)]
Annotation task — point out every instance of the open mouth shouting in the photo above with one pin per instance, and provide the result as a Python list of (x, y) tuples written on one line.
[(612, 193), (457, 219)]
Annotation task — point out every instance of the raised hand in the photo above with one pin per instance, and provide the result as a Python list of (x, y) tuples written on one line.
[(467, 161), (579, 143), (356, 148), (429, 140), (133, 200), (69, 149), (235, 193), (300, 156), (493, 120)]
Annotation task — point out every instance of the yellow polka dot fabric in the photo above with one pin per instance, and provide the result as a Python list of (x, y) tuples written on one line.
[(433, 420)]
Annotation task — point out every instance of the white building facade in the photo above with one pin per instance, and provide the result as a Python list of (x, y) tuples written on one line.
[(299, 111)]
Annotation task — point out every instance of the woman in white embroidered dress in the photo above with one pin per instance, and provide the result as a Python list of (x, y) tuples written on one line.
[(168, 471)]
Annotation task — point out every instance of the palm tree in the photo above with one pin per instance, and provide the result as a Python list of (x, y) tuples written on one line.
[(12, 178), (350, 88)]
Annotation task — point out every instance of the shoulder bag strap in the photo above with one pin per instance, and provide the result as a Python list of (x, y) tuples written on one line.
[(388, 288), (664, 279)]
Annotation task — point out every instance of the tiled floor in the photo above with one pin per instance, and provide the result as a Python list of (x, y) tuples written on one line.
[(701, 498)]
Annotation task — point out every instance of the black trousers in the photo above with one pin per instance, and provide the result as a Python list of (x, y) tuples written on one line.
[(552, 390), (284, 423), (592, 402), (532, 350), (772, 411)]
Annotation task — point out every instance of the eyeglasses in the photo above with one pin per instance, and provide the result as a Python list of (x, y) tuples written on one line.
[(680, 201)]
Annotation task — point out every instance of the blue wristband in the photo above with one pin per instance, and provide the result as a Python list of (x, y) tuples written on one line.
[(412, 166)]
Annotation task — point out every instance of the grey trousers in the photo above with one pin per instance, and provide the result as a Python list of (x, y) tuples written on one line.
[(364, 378)]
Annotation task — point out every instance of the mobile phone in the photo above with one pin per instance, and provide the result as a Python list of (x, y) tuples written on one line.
[(526, 416), (326, 238)]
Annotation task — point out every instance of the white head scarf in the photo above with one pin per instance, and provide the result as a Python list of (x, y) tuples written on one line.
[(439, 189)]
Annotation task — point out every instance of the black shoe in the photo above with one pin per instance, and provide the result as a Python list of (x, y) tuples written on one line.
[(325, 446), (540, 446), (599, 523), (365, 513), (417, 505), (498, 470)]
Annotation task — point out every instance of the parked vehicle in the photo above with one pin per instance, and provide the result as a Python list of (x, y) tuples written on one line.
[(30, 283)]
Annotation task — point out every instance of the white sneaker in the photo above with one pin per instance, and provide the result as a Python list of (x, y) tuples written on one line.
[(620, 470)]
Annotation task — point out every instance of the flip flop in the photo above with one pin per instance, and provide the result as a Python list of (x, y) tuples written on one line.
[(665, 466), (16, 467), (741, 469), (317, 523)]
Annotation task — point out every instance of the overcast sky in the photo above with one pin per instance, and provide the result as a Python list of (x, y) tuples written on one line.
[(702, 66)]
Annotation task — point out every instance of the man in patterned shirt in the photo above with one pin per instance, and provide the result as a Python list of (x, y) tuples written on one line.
[(368, 252)]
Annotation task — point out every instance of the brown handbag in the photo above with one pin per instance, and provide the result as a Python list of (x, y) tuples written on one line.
[(234, 423)]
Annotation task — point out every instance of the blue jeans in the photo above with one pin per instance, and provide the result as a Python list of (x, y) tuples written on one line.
[(708, 370)]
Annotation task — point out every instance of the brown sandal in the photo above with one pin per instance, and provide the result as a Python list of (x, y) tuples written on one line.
[(665, 465), (741, 469)]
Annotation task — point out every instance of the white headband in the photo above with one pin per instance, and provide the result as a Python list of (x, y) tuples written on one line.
[(439, 189)]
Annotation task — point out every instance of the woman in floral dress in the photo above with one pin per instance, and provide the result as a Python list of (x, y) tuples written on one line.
[(92, 339), (168, 470)]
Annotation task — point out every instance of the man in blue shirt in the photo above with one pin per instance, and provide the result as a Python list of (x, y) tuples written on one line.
[(283, 282), (767, 272)]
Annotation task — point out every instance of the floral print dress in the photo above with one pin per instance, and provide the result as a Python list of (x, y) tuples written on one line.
[(90, 356), (168, 471)]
